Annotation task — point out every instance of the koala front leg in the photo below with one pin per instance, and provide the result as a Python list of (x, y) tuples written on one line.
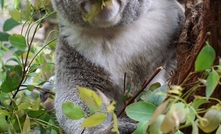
[(64, 94)]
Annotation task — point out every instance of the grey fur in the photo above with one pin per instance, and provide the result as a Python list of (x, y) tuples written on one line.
[(97, 55)]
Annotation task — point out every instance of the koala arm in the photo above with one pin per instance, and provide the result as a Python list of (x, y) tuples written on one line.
[(74, 126), (72, 69)]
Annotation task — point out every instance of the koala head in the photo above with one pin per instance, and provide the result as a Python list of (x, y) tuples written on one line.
[(102, 13)]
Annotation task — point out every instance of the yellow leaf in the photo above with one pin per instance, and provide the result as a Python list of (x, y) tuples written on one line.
[(94, 120), (159, 110), (91, 99), (36, 104), (26, 127), (96, 8), (115, 127), (109, 105)]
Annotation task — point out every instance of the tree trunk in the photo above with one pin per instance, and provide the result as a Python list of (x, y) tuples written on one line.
[(203, 23)]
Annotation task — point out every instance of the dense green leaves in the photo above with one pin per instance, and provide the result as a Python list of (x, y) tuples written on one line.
[(205, 58), (21, 73)]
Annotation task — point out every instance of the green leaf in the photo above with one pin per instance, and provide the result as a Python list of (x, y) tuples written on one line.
[(156, 97), (18, 41), (52, 45), (195, 105), (198, 102), (15, 59), (205, 58), (3, 125), (140, 111), (30, 87), (4, 36), (154, 86), (212, 82), (24, 105), (91, 99), (34, 67), (141, 127), (27, 12), (36, 104), (115, 125), (16, 15), (26, 126), (159, 110), (213, 119), (72, 111), (146, 95), (195, 129), (96, 8), (35, 114), (154, 128), (94, 120), (218, 131), (12, 80), (10, 24), (2, 3), (179, 132)]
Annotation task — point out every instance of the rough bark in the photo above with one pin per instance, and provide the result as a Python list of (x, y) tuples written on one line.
[(203, 23)]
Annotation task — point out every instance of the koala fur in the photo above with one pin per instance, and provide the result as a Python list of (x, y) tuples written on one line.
[(127, 36)]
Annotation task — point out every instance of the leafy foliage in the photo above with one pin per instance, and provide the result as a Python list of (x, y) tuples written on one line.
[(22, 75), (165, 107)]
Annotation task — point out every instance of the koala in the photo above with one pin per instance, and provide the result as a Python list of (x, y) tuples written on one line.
[(131, 37)]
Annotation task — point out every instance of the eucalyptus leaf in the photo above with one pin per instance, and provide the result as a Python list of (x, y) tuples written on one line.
[(155, 97), (218, 131), (3, 125), (195, 105), (12, 80), (115, 125), (94, 120), (90, 97), (212, 82), (2, 3), (10, 24), (141, 127), (4, 36), (213, 119), (18, 41), (27, 126), (140, 111), (205, 58), (154, 128), (72, 111), (16, 15)]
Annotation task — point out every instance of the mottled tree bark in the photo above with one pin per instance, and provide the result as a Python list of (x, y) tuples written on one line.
[(203, 23)]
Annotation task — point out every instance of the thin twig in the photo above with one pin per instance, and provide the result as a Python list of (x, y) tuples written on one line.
[(140, 91)]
